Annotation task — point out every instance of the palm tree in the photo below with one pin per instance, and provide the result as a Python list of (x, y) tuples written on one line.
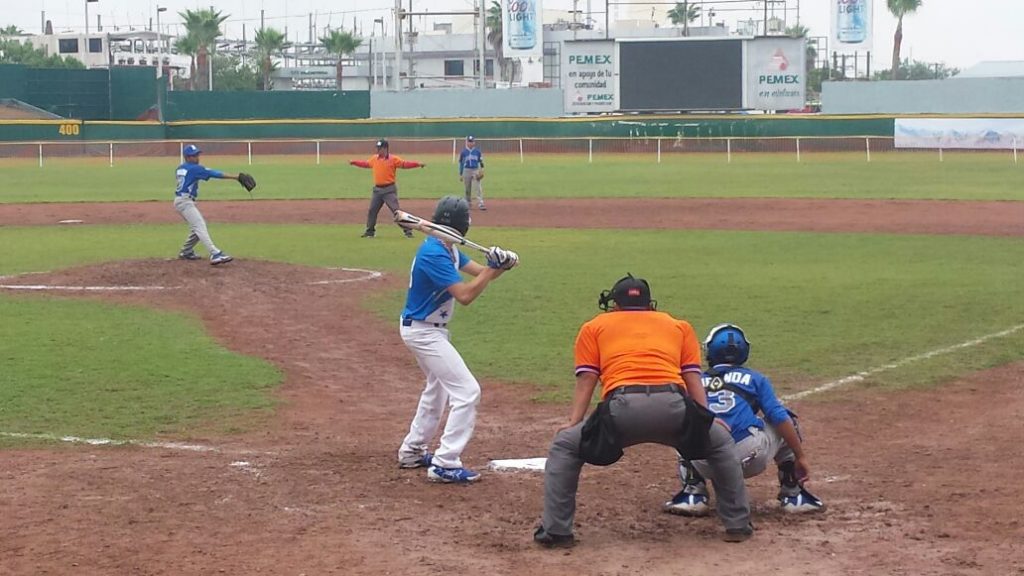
[(268, 43), (204, 26), (11, 30), (899, 9), (684, 13), (342, 43), (187, 44), (800, 31)]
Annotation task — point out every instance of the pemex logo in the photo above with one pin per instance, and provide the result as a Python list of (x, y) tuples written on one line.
[(779, 60)]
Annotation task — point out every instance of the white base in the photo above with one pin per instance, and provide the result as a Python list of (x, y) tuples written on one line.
[(518, 465)]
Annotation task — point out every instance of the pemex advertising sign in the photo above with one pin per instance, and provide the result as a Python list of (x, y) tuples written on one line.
[(589, 76), (776, 73)]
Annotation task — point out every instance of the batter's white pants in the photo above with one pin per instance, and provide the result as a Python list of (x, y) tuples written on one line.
[(196, 224), (449, 383)]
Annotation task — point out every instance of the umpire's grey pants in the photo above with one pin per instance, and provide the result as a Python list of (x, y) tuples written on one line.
[(381, 195), (186, 206), (641, 419)]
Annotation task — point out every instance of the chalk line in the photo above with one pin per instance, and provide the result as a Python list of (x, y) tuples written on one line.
[(183, 446), (370, 275), (861, 376), (84, 288)]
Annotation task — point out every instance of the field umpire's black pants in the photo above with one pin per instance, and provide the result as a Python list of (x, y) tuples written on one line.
[(381, 195), (641, 418)]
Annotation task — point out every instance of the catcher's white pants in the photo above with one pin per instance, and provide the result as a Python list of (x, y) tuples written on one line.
[(449, 383), (754, 452), (197, 225)]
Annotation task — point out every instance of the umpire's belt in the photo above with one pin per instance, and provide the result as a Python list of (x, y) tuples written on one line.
[(421, 324), (647, 389)]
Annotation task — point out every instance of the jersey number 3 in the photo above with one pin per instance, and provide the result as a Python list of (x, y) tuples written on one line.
[(722, 401)]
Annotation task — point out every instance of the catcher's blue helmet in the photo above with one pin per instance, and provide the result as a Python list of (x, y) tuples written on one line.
[(191, 150), (726, 344)]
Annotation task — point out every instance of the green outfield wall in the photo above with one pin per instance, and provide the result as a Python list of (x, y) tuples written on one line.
[(719, 126)]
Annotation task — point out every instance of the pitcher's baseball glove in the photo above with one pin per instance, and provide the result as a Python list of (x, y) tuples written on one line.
[(247, 181), (480, 175)]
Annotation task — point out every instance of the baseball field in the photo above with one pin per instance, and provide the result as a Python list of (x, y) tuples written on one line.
[(884, 298)]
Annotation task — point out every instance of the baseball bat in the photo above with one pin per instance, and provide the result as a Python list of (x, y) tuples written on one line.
[(439, 231)]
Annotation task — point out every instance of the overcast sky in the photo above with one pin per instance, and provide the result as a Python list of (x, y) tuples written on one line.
[(955, 32)]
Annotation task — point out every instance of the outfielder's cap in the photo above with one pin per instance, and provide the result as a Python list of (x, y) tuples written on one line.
[(382, 143), (191, 150), (470, 139)]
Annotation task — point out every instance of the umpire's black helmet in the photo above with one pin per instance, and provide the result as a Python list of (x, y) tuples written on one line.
[(382, 143), (628, 293), (453, 211)]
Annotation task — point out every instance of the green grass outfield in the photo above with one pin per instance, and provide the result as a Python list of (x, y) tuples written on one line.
[(897, 175), (817, 307)]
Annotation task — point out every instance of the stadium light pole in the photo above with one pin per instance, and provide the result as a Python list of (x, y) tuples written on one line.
[(87, 21)]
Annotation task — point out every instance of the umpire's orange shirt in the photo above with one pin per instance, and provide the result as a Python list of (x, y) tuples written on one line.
[(384, 169), (636, 347)]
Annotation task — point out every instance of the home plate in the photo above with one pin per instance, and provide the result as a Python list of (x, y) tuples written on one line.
[(518, 465)]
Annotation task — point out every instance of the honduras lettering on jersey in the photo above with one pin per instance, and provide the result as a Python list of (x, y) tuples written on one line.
[(435, 268), (733, 408), (189, 176), (470, 159)]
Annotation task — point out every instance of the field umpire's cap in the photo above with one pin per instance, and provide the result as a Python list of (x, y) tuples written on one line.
[(382, 143)]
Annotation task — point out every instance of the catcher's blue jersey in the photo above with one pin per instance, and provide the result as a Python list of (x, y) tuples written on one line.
[(189, 176), (471, 159), (733, 407), (435, 268)]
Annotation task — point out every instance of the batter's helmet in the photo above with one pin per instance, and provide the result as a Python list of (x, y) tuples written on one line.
[(454, 212), (726, 344), (191, 150), (628, 293)]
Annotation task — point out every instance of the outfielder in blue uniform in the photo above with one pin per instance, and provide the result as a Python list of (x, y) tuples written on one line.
[(762, 428), (471, 171), (434, 287), (188, 175)]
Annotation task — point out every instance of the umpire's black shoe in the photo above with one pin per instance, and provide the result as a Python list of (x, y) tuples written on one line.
[(548, 540), (368, 234), (739, 534)]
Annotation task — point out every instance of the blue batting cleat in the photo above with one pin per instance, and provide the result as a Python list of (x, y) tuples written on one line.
[(452, 475)]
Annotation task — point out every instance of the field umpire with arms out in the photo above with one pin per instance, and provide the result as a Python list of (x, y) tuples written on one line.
[(643, 359), (385, 191)]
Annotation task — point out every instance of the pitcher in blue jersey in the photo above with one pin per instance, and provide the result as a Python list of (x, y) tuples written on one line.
[(434, 287), (737, 395), (189, 174), (471, 171)]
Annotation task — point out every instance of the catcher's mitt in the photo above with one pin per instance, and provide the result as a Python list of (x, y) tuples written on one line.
[(247, 181)]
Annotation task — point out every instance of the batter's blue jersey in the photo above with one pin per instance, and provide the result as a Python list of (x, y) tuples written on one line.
[(435, 268), (721, 385), (471, 159), (189, 176)]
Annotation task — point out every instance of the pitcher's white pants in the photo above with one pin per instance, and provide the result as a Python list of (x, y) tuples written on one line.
[(449, 383), (196, 225)]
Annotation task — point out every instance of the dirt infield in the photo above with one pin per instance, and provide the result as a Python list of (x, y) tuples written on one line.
[(919, 482), (988, 218)]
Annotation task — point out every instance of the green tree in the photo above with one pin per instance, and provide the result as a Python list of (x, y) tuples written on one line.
[(683, 13), (231, 75), (507, 67), (269, 42), (187, 44), (341, 43), (11, 30), (13, 51), (918, 70), (204, 27), (899, 9)]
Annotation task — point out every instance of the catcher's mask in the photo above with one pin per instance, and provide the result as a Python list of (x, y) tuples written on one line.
[(628, 293), (454, 212), (726, 344)]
